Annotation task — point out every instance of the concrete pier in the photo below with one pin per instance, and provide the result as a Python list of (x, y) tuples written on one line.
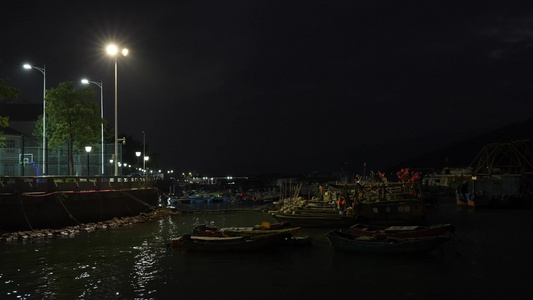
[(28, 203)]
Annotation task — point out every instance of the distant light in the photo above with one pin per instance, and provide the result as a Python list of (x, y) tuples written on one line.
[(26, 66), (125, 51), (88, 148), (138, 153)]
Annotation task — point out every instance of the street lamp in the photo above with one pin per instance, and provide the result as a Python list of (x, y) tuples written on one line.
[(88, 150), (42, 70), (113, 51), (99, 84)]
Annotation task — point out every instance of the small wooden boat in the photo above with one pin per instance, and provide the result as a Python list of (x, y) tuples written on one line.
[(395, 212), (382, 244), (193, 243), (300, 241), (413, 231), (317, 220), (262, 229)]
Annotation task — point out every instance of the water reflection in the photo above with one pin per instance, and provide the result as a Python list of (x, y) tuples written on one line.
[(143, 270), (133, 263)]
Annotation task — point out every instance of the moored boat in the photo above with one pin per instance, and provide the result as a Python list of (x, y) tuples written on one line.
[(412, 231), (397, 212), (317, 220), (204, 230), (382, 244), (301, 241), (193, 243)]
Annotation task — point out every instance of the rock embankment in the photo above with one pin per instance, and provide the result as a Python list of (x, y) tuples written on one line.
[(87, 227)]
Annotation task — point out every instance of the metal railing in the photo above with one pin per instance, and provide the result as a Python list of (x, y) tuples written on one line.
[(50, 184)]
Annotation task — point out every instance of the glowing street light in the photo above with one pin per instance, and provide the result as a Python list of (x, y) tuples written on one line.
[(99, 84), (88, 150), (113, 51), (42, 70)]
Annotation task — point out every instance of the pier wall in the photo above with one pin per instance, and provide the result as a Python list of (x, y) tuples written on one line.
[(56, 206)]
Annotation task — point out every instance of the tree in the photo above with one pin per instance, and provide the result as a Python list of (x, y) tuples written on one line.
[(72, 120), (5, 92)]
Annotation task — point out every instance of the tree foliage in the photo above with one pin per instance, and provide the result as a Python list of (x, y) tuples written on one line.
[(5, 92), (72, 119)]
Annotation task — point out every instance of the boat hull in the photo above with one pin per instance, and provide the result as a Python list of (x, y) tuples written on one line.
[(227, 244), (308, 220), (204, 230), (351, 243), (392, 212), (401, 231)]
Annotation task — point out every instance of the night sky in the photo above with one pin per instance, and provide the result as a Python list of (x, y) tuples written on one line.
[(255, 86)]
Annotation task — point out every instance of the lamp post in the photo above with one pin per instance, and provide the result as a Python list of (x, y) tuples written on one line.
[(99, 84), (88, 150), (146, 158), (138, 154), (144, 151), (42, 70), (113, 51)]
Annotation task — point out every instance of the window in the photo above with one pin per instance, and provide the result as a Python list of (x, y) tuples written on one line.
[(10, 146)]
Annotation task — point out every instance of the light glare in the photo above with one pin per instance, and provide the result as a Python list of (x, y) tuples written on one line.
[(26, 66), (112, 49), (125, 51), (85, 81)]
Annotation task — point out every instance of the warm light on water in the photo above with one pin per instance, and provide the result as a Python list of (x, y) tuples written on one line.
[(134, 263)]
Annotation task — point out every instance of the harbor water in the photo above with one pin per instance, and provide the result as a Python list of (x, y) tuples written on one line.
[(488, 257)]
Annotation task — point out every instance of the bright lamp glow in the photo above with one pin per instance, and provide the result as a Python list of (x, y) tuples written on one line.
[(88, 148), (112, 49), (26, 66), (85, 81), (125, 51)]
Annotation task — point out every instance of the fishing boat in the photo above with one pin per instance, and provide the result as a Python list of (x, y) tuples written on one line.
[(317, 220), (382, 244), (413, 231), (204, 230), (392, 212), (194, 243), (300, 241)]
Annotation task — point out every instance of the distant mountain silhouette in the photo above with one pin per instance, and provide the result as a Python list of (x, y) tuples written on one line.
[(464, 153)]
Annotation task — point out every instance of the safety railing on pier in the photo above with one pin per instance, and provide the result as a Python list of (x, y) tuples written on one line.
[(49, 184)]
